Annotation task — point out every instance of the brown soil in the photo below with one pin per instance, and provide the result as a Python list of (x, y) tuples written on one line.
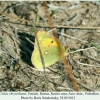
[(16, 70)]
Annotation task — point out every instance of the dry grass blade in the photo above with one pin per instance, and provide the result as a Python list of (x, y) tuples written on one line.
[(71, 74), (64, 59), (0, 40), (42, 60), (39, 24)]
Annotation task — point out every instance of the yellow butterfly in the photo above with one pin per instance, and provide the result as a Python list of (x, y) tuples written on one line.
[(51, 50)]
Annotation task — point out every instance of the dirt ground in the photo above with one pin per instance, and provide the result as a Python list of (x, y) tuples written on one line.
[(16, 70)]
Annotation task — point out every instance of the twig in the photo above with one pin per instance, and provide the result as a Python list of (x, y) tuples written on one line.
[(92, 58), (62, 86), (42, 59), (16, 38), (16, 47), (8, 15), (0, 38), (87, 64), (8, 52), (72, 37), (39, 24), (72, 27), (86, 86), (81, 50), (46, 70), (30, 41), (60, 49)]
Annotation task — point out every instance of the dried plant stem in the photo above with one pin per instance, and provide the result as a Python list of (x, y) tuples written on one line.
[(72, 27), (85, 86), (64, 59), (71, 74), (42, 60), (73, 37), (0, 38), (81, 50), (84, 64), (15, 17), (40, 24)]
